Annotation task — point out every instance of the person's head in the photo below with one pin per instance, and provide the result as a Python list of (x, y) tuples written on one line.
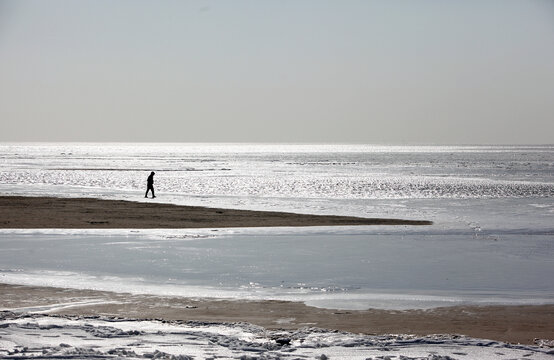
[(152, 173)]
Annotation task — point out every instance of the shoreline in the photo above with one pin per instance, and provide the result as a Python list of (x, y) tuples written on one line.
[(22, 212), (507, 323)]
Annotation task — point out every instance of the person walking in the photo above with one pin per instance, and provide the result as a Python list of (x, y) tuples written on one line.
[(150, 185)]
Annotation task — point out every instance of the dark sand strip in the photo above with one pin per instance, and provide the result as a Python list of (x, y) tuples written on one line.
[(18, 212), (515, 324)]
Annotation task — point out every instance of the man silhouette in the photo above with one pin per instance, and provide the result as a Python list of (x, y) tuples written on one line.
[(150, 185)]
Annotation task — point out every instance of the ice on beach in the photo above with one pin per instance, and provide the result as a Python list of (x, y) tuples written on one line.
[(350, 268), (48, 337)]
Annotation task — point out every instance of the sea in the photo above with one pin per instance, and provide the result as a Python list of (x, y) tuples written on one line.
[(491, 242)]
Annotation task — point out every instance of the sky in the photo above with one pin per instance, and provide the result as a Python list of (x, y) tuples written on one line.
[(301, 71)]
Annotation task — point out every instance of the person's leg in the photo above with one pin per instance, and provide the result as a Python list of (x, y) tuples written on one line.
[(153, 196), (147, 189)]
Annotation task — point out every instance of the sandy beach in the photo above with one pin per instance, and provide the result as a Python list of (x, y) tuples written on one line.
[(515, 324), (17, 212)]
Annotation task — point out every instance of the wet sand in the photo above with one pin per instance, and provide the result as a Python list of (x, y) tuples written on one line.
[(17, 212), (515, 324)]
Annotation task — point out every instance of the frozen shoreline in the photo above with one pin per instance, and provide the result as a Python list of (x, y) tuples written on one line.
[(349, 268), (515, 324), (100, 337)]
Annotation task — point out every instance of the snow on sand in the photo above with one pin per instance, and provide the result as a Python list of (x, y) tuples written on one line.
[(25, 336)]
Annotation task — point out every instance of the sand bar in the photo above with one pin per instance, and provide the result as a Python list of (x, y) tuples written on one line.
[(18, 212), (515, 324)]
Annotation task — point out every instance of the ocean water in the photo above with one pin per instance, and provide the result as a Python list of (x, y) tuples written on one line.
[(492, 240)]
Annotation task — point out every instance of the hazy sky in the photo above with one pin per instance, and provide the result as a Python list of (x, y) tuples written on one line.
[(278, 71)]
